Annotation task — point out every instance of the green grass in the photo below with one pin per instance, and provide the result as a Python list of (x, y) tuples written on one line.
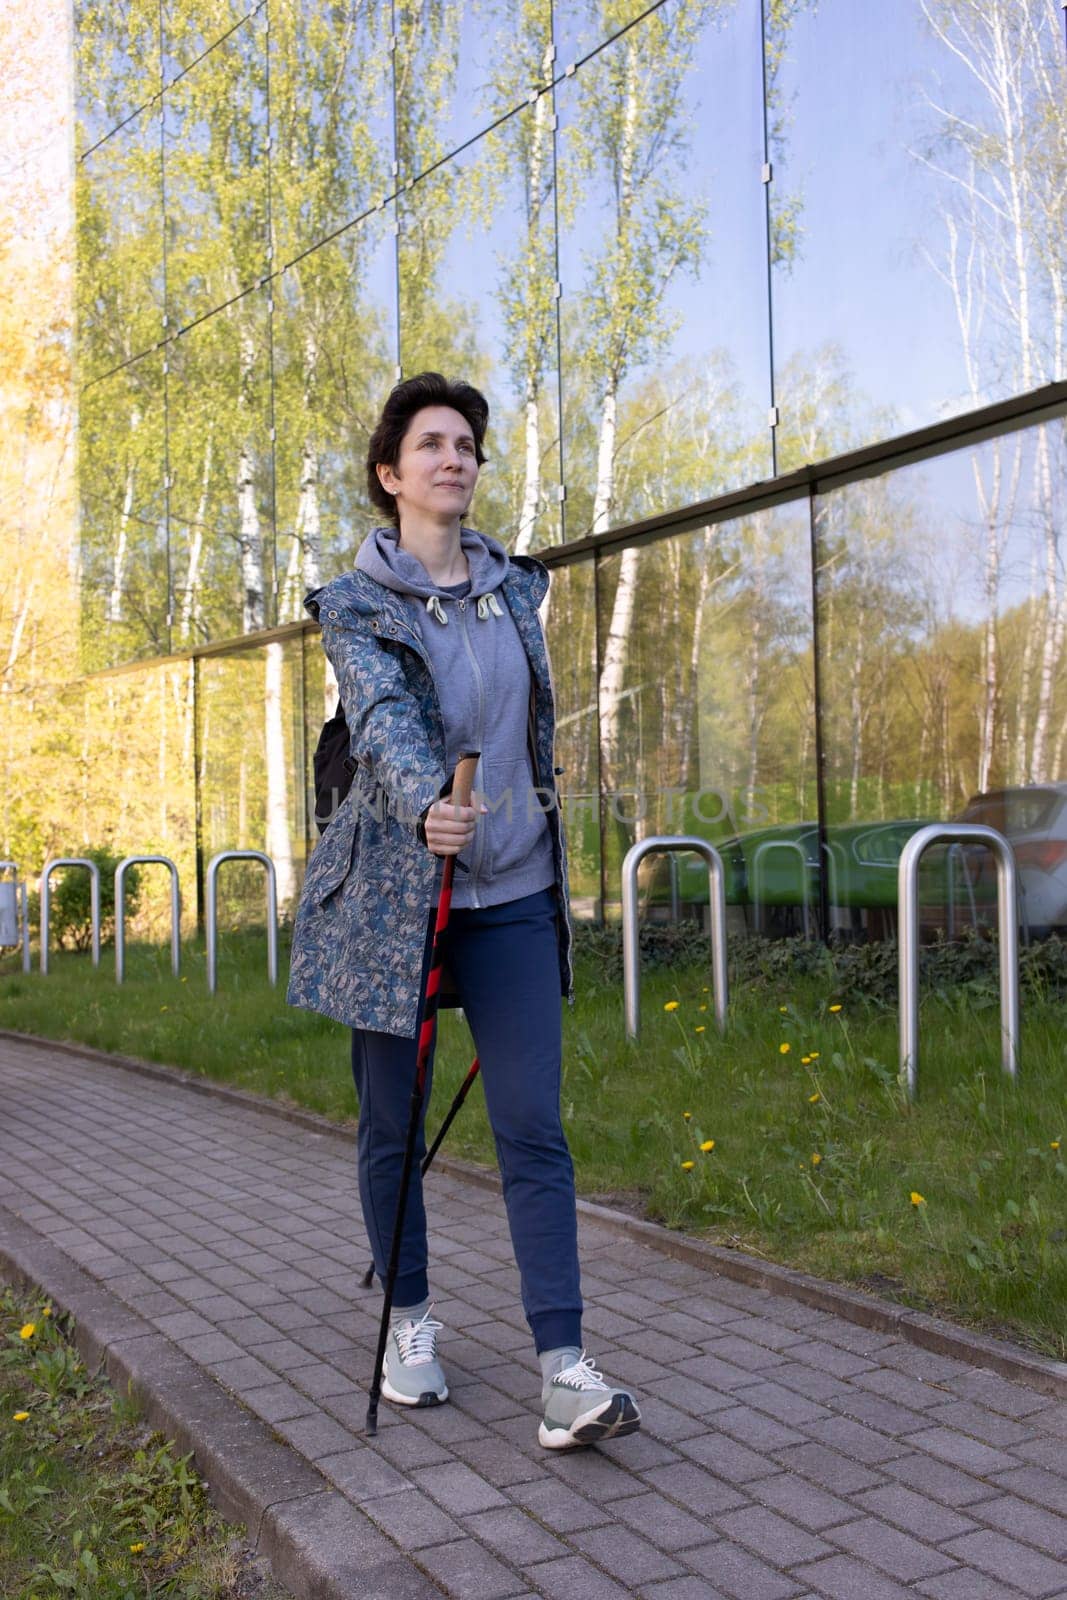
[(93, 1505), (986, 1244)]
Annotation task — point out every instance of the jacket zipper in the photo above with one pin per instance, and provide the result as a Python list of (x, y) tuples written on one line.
[(479, 840)]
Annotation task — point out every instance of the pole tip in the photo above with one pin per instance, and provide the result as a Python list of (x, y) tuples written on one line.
[(368, 1276), (372, 1420)]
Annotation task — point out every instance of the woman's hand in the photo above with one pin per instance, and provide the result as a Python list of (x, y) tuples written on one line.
[(449, 827)]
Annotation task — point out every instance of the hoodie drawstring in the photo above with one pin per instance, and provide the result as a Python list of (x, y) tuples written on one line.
[(488, 605)]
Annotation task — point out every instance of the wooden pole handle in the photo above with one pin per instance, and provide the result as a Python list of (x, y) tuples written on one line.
[(463, 780)]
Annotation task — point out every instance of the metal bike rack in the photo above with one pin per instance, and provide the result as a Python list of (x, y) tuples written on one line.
[(757, 879), (120, 911), (1007, 936), (46, 902), (14, 912), (631, 956), (212, 910)]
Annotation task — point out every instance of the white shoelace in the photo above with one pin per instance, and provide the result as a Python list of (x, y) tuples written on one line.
[(581, 1374), (417, 1341)]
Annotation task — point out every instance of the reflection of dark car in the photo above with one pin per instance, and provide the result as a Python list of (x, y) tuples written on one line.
[(776, 868), (1034, 821)]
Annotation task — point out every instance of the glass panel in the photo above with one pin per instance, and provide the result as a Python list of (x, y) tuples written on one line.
[(215, 154), (460, 66), (138, 793), (222, 538), (119, 255), (334, 362), (718, 739), (569, 617), (663, 269), (251, 760), (488, 313), (331, 102), (116, 64), (124, 557), (919, 253), (942, 594)]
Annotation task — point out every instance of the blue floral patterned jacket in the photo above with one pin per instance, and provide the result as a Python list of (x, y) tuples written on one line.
[(361, 925)]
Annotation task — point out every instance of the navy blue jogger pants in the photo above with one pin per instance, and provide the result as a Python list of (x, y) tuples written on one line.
[(505, 963)]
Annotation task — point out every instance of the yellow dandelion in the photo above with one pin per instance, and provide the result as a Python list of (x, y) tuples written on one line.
[(784, 1048), (836, 1007), (815, 1158), (709, 1144), (687, 1166), (27, 1330), (805, 1061), (917, 1199), (687, 1115), (135, 1549), (702, 1008), (672, 1005), (20, 1416), (783, 1008), (1054, 1144), (164, 1008), (815, 1055), (47, 1311), (813, 1099), (701, 1029), (705, 990)]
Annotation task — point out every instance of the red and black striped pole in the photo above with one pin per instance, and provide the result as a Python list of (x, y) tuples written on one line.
[(462, 783)]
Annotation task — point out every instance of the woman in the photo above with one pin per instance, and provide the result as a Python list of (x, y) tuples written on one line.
[(438, 649)]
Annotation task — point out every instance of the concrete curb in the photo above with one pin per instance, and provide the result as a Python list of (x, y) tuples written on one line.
[(1037, 1372), (319, 1545)]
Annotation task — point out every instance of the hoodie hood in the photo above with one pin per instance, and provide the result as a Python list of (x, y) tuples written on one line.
[(382, 559)]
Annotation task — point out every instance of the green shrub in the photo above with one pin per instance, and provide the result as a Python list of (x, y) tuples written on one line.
[(71, 919), (853, 972)]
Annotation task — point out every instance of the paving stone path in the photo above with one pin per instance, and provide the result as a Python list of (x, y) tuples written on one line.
[(785, 1452)]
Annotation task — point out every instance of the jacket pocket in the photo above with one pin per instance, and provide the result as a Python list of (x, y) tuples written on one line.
[(516, 822), (331, 861)]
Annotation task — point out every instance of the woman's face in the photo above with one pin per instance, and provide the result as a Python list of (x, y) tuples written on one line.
[(435, 475)]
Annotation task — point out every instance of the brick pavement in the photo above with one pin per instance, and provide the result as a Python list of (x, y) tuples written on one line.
[(827, 1459)]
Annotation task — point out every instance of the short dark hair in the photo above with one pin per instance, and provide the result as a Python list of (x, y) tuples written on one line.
[(405, 399)]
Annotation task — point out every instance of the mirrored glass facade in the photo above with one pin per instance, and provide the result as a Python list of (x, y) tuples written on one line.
[(700, 256)]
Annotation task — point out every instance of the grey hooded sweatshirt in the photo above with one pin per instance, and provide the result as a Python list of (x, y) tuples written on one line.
[(483, 685)]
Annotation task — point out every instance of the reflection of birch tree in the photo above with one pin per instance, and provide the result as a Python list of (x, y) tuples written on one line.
[(1002, 159), (329, 90), (629, 141), (522, 154)]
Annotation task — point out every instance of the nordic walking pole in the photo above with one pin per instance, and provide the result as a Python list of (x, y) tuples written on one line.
[(462, 783), (427, 1160)]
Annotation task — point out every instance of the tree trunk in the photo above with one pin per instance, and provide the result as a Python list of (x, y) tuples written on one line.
[(113, 612), (531, 493), (613, 675), (1053, 632), (279, 845), (250, 537), (189, 615)]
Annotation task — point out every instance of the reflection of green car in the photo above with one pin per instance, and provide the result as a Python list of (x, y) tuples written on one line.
[(778, 867)]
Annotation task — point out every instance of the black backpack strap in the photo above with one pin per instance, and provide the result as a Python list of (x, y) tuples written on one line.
[(333, 768)]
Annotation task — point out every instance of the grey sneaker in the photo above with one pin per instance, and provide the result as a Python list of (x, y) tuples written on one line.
[(413, 1376), (580, 1408)]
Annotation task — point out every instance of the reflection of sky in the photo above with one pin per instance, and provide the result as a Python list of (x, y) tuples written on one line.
[(853, 83), (855, 79)]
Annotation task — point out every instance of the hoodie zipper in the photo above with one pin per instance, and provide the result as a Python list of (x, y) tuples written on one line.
[(479, 837)]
